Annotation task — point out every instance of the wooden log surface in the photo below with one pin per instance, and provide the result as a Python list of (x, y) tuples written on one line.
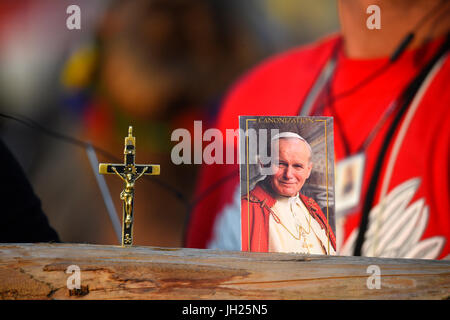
[(38, 271)]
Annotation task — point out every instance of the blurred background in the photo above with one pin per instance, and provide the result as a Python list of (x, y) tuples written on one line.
[(157, 65)]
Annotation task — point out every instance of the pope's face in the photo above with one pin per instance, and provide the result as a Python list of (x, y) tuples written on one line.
[(294, 167)]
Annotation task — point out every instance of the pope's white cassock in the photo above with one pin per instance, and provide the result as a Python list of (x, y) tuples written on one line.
[(297, 231)]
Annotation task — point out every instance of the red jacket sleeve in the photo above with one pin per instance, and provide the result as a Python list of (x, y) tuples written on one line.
[(255, 226)]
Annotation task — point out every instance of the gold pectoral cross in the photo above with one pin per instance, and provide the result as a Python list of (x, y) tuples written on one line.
[(129, 172)]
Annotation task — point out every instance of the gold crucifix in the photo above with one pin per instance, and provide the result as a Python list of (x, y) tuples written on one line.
[(129, 172)]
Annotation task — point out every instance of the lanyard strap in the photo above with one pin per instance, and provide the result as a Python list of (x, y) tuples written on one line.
[(320, 96), (322, 81)]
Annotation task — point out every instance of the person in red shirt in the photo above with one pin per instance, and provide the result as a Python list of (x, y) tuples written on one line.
[(390, 105)]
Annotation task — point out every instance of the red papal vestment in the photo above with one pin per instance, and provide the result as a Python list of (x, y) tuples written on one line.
[(255, 218)]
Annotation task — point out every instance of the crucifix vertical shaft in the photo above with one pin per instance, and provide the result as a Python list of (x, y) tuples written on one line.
[(129, 172)]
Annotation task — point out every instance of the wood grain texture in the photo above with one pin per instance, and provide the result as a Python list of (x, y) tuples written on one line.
[(37, 271)]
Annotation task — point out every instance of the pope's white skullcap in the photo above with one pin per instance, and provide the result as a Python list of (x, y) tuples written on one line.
[(288, 135), (292, 135)]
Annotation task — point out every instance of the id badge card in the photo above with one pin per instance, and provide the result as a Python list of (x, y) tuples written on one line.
[(349, 177)]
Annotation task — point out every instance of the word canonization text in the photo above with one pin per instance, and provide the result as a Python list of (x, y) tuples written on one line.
[(254, 146)]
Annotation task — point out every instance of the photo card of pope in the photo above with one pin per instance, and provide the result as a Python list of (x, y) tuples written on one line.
[(287, 184)]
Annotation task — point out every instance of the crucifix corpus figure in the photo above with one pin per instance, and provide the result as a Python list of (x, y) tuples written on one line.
[(129, 172)]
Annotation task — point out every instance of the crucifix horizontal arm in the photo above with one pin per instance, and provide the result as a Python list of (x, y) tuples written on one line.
[(106, 168)]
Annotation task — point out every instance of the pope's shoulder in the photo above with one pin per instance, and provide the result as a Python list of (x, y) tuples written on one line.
[(259, 195)]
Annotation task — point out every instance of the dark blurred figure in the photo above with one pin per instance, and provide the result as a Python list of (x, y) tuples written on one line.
[(22, 218)]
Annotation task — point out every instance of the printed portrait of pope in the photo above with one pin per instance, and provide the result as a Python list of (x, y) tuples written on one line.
[(276, 216)]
